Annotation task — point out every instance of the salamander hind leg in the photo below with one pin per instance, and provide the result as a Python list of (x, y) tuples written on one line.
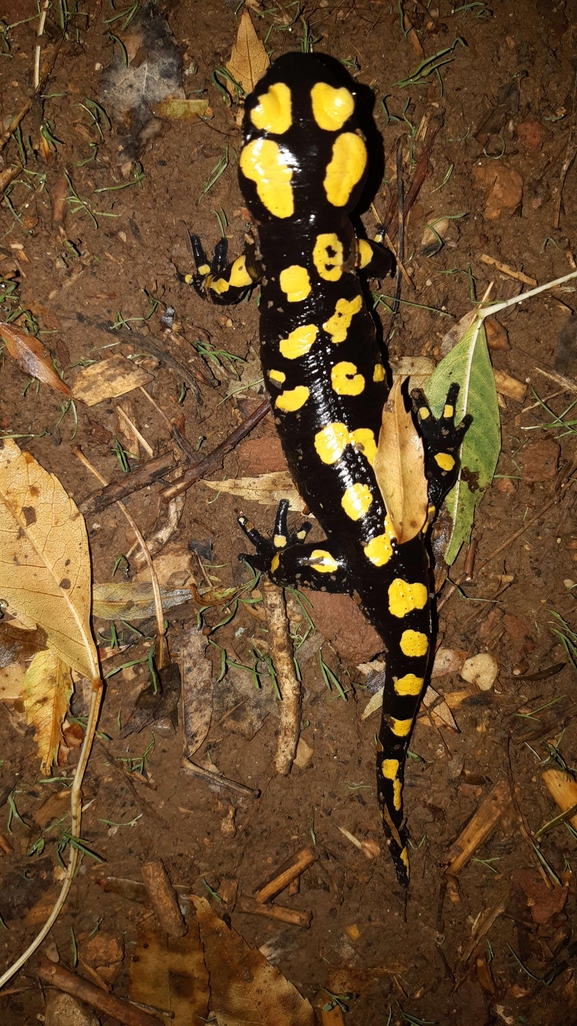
[(288, 561), (443, 439)]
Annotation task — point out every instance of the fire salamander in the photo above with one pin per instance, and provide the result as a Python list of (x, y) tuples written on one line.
[(302, 168)]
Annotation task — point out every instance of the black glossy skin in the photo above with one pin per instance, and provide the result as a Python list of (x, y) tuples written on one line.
[(287, 241)]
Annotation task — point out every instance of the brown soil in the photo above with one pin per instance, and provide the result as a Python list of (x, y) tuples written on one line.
[(117, 255)]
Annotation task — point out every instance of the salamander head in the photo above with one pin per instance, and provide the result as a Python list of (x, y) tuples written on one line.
[(303, 148)]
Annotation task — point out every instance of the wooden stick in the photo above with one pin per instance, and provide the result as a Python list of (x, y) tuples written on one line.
[(479, 828), (281, 652), (285, 874), (163, 899), (93, 996), (506, 269), (285, 915)]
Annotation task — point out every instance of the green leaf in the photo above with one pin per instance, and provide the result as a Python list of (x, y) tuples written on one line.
[(469, 364)]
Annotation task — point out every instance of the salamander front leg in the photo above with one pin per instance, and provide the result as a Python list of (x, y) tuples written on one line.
[(443, 439), (219, 281), (288, 561)]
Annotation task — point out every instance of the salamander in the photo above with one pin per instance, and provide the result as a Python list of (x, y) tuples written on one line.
[(302, 168)]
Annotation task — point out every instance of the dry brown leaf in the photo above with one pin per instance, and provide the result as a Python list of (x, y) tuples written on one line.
[(46, 693), (31, 357), (169, 972), (268, 489), (245, 988), (249, 59), (400, 468), (44, 557), (133, 600), (108, 379), (440, 715)]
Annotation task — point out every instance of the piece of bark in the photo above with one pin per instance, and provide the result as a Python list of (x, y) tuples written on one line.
[(163, 899), (290, 870), (479, 828), (281, 651)]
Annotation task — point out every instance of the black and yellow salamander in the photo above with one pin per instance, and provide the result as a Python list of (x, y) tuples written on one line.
[(302, 167)]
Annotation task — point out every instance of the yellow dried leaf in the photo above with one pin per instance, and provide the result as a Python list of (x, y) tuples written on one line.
[(249, 59), (169, 972), (46, 693), (31, 357), (44, 557), (108, 379), (400, 468), (267, 489), (245, 987), (176, 108)]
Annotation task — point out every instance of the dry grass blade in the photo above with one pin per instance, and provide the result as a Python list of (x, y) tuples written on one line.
[(400, 468), (31, 357), (248, 60)]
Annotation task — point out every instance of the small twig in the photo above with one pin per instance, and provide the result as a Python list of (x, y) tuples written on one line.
[(285, 915), (163, 899), (57, 976), (215, 458), (506, 269), (27, 106), (144, 475), (38, 51), (290, 870), (218, 780)]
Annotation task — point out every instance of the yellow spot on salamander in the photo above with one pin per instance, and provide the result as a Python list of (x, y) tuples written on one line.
[(322, 561), (408, 685), (379, 550), (295, 282), (414, 644), (273, 113), (400, 728), (346, 168), (404, 597), (404, 857), (279, 541), (204, 269), (292, 399), (275, 563), (424, 413), (332, 440), (328, 256), (279, 377), (345, 380), (301, 535), (299, 341), (263, 162), (390, 768), (219, 285), (339, 323), (239, 277), (379, 372), (449, 411), (445, 460), (331, 107), (357, 501), (397, 791), (365, 253)]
